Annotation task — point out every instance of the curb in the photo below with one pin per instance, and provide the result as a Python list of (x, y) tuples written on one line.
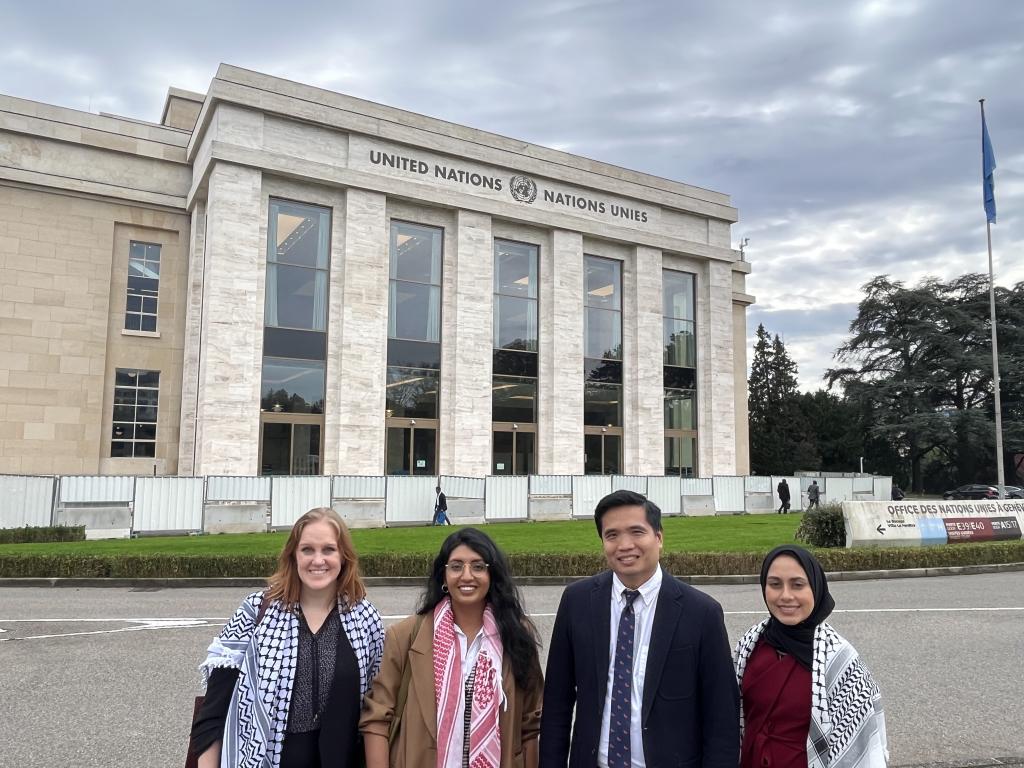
[(523, 581), (977, 762)]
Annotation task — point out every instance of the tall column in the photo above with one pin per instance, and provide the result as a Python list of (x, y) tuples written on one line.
[(193, 320), (717, 435), (643, 393), (739, 345), (467, 344), (560, 410), (357, 339), (231, 345)]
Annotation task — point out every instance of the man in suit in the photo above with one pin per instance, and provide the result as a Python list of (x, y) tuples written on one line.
[(643, 658)]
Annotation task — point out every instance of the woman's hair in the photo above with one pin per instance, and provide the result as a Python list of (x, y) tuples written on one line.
[(285, 585), (518, 635)]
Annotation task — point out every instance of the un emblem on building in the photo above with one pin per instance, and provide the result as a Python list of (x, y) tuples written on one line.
[(523, 189)]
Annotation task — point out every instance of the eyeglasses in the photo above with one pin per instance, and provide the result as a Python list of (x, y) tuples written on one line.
[(477, 567)]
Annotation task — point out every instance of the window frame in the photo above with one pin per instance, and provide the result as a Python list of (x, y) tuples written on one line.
[(117, 402)]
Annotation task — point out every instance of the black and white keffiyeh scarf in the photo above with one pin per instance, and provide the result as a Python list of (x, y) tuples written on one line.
[(847, 721), (266, 656)]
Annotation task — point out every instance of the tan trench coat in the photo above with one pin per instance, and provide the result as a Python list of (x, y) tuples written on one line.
[(416, 743)]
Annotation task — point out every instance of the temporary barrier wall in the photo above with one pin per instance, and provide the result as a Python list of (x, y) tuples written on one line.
[(666, 492), (837, 489), (587, 491), (635, 483), (252, 489), (358, 487), (410, 500), (697, 496), (168, 504), (97, 489), (25, 501), (508, 497), (729, 498), (551, 485), (292, 497)]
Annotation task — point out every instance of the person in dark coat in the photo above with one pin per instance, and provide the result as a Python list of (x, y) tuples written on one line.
[(813, 496), (783, 489), (639, 670), (441, 508)]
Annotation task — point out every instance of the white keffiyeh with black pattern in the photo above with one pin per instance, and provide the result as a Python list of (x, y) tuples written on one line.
[(265, 656), (847, 722)]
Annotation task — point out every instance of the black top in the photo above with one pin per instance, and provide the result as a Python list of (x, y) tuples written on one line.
[(335, 728)]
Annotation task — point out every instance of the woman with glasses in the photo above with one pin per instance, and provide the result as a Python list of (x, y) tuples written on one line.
[(460, 682)]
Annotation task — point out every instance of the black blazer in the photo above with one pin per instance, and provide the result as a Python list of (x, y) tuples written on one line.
[(691, 704)]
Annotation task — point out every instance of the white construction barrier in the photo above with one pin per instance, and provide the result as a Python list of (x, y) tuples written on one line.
[(508, 497), (729, 497), (587, 491), (410, 500), (697, 495), (25, 501), (225, 488), (666, 492), (292, 497), (635, 483), (168, 504)]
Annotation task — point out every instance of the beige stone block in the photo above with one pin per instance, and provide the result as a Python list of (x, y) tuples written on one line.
[(14, 326), (27, 379), (36, 248), (29, 344), (72, 364), (9, 244), (69, 432), (43, 363), (24, 231), (50, 297), (11, 430), (17, 293), (37, 280), (39, 432), (40, 216), (15, 361), (60, 414), (6, 309)]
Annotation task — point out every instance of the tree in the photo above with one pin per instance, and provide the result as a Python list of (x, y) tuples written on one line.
[(780, 440), (918, 369)]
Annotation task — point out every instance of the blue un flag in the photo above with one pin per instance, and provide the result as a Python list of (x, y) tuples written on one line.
[(988, 173)]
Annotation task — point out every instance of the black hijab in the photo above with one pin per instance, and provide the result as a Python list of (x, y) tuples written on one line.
[(798, 640)]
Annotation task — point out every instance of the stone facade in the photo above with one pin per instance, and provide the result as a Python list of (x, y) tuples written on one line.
[(75, 189)]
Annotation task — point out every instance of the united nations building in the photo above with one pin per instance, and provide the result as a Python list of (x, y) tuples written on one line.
[(276, 279)]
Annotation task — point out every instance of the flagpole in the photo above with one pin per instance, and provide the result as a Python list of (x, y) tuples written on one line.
[(1000, 478)]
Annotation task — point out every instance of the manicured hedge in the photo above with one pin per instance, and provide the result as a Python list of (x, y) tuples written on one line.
[(418, 565), (34, 535), (824, 527)]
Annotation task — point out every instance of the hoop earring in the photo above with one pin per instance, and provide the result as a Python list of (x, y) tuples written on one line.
[(444, 589)]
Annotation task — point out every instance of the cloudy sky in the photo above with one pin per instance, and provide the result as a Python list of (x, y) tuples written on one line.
[(847, 132)]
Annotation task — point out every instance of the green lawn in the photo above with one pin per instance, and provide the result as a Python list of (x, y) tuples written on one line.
[(744, 533)]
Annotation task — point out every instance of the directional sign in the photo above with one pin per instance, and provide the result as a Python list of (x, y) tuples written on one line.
[(913, 523)]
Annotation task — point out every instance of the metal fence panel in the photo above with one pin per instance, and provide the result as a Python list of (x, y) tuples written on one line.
[(665, 492), (863, 485), (587, 491), (729, 495), (882, 488), (456, 487), (168, 504), (410, 499), (696, 486), (806, 480), (25, 501), (550, 485), (635, 483), (838, 489), (223, 488), (758, 484), (86, 489), (508, 497), (357, 487), (292, 497)]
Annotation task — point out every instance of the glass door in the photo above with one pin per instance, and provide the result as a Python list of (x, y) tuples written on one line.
[(411, 447), (602, 453), (513, 452), (290, 445)]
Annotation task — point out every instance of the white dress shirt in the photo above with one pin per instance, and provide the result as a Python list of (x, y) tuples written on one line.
[(643, 609)]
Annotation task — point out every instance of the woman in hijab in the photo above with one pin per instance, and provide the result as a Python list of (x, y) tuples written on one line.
[(808, 700), (468, 664)]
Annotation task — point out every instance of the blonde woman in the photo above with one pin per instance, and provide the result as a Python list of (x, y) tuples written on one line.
[(286, 676)]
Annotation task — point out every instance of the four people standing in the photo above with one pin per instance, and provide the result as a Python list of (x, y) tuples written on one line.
[(639, 671)]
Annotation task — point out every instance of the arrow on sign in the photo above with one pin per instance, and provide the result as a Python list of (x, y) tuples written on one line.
[(880, 529)]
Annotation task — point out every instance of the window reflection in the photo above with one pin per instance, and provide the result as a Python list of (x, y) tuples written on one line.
[(678, 289), (292, 386), (603, 282), (411, 393), (514, 399), (680, 343), (680, 407), (602, 404)]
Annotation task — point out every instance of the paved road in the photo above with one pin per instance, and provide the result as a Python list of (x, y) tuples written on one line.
[(105, 677)]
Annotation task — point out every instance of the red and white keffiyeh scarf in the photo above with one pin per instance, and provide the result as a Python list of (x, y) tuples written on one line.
[(484, 737)]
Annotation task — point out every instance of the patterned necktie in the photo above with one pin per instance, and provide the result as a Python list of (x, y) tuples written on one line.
[(622, 687)]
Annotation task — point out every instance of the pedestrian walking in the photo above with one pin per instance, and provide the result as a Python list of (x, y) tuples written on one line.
[(783, 490), (441, 508), (813, 496)]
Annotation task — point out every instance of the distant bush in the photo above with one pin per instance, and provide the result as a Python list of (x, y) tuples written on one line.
[(823, 527), (38, 534)]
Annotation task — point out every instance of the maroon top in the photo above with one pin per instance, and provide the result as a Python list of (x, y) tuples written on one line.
[(776, 710)]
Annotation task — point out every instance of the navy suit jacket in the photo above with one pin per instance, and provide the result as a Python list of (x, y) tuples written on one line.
[(691, 705)]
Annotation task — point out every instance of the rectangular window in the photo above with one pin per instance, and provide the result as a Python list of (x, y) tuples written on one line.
[(136, 396), (414, 295), (679, 371), (298, 250), (143, 287)]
